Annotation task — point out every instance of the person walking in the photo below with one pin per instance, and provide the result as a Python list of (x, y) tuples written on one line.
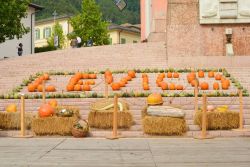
[(20, 49)]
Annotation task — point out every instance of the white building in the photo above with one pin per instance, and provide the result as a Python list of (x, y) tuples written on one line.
[(9, 47)]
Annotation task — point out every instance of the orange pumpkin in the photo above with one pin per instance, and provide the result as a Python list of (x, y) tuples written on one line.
[(50, 88), (176, 75), (201, 74), (131, 73), (146, 87), (90, 82), (109, 79), (169, 75), (31, 88), (145, 79), (210, 74), (122, 83), (115, 86), (179, 87), (204, 86), (224, 85), (218, 76), (36, 84), (42, 78), (86, 87), (159, 83), (74, 80), (161, 75), (226, 81), (46, 76), (53, 103), (144, 75), (216, 86), (124, 80), (195, 81), (129, 78), (40, 88), (171, 86), (164, 86), (78, 75), (191, 77), (85, 76), (154, 99), (107, 73), (39, 81), (45, 110), (80, 82), (92, 76), (70, 87), (77, 87)]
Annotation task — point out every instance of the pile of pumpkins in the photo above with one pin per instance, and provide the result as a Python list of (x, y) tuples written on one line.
[(37, 84), (164, 85), (193, 80), (76, 84), (122, 83)]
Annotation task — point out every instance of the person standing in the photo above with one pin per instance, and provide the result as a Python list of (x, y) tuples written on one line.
[(73, 43), (79, 40), (20, 49)]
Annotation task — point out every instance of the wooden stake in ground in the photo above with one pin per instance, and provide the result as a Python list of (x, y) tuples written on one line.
[(22, 118), (241, 121), (44, 98), (196, 98), (115, 119), (203, 134)]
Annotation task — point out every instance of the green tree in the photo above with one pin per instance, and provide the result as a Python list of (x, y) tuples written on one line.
[(88, 24), (57, 31), (11, 14)]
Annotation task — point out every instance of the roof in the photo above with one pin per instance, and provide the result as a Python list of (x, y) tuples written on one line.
[(37, 7), (52, 19), (125, 27)]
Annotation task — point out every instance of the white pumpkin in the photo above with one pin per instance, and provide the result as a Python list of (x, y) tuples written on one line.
[(210, 108)]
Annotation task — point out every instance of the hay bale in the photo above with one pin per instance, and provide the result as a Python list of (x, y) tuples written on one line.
[(53, 125), (219, 120), (154, 125), (56, 125), (104, 118), (12, 121)]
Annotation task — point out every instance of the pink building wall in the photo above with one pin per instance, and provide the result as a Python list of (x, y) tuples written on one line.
[(152, 16)]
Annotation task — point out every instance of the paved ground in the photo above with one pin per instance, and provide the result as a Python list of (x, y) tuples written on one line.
[(91, 152)]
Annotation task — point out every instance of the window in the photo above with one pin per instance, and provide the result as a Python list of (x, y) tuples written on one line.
[(134, 41), (123, 41), (47, 32), (110, 41), (37, 34)]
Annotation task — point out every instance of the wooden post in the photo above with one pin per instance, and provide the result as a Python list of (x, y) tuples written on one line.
[(241, 121), (115, 116), (22, 120), (115, 120), (106, 90), (22, 133), (204, 117), (196, 97), (44, 99), (203, 134), (241, 110)]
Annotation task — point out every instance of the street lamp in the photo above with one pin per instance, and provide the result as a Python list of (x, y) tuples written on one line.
[(121, 4)]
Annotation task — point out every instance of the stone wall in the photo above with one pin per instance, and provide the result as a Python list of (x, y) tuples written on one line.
[(186, 37)]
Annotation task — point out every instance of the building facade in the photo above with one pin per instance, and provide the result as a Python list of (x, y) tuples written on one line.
[(118, 34), (44, 28), (198, 27), (9, 47)]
